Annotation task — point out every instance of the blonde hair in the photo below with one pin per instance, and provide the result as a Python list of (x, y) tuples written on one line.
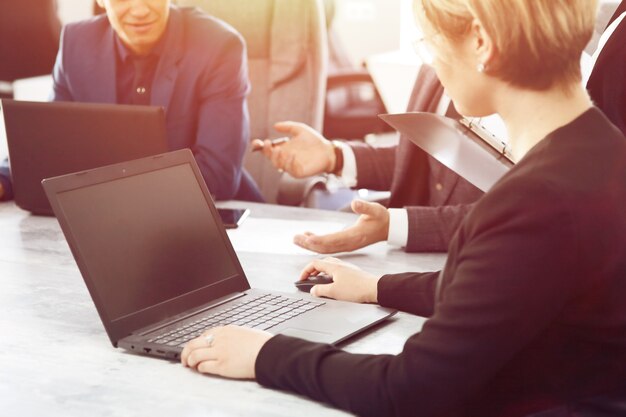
[(538, 42)]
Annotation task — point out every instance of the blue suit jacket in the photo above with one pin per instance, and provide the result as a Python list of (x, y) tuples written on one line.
[(201, 81)]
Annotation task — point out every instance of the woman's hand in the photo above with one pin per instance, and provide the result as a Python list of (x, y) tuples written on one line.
[(349, 282), (228, 351)]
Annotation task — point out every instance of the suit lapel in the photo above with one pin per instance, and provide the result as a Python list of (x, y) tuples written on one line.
[(103, 69), (167, 70), (410, 180)]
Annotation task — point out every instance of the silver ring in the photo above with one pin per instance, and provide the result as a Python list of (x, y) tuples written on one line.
[(209, 340)]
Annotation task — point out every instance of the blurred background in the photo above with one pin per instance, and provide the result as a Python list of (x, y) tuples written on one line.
[(371, 64)]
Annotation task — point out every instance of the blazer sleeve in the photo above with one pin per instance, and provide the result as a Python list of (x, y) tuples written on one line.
[(466, 342), (223, 121), (5, 180), (431, 228), (60, 86), (374, 165), (410, 292)]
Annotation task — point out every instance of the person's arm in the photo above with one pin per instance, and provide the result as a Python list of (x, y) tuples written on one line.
[(508, 276), (223, 126), (60, 87), (306, 152), (412, 292), (417, 229), (374, 165), (431, 228), (372, 226), (6, 191), (398, 233), (347, 173)]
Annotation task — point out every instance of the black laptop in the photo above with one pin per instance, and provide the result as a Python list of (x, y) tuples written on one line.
[(160, 268), (50, 139)]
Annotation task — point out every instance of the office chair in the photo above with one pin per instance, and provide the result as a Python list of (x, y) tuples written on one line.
[(287, 58), (29, 40), (352, 99)]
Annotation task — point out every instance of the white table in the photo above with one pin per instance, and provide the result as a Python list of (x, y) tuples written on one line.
[(56, 359)]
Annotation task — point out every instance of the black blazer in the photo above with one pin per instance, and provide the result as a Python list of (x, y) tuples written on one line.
[(528, 312), (29, 38)]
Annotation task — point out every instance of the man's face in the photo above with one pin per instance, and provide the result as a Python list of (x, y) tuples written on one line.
[(139, 23)]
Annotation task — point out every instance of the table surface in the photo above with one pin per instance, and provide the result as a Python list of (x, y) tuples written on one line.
[(56, 359)]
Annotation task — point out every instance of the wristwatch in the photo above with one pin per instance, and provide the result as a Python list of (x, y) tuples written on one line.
[(337, 148)]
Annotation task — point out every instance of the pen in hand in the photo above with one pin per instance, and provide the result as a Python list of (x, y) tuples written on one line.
[(257, 144)]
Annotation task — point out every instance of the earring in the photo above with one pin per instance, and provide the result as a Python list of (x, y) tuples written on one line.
[(481, 67)]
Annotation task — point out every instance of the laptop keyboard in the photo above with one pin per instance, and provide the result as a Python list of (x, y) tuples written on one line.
[(262, 312)]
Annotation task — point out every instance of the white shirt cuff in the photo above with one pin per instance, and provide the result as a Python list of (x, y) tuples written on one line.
[(398, 227), (348, 172)]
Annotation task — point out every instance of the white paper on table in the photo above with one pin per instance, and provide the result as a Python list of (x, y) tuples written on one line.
[(275, 236)]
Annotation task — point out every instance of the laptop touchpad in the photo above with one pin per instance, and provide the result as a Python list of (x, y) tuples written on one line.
[(303, 334)]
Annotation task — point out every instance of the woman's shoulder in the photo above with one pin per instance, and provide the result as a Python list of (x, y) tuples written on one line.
[(575, 177), (581, 158)]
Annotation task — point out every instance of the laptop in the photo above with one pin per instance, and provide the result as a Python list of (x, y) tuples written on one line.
[(46, 139), (160, 268)]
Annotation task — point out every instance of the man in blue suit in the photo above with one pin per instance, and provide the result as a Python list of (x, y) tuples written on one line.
[(150, 52)]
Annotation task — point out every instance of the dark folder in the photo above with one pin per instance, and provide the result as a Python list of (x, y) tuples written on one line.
[(473, 154)]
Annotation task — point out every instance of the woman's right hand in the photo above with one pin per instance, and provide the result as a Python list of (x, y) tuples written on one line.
[(349, 282), (307, 153)]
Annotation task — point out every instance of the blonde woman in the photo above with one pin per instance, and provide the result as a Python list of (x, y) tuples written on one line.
[(528, 313)]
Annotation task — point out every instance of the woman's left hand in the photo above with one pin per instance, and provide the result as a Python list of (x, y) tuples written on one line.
[(229, 351)]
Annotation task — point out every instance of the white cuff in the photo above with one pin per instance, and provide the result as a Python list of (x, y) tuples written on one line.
[(348, 172), (398, 227)]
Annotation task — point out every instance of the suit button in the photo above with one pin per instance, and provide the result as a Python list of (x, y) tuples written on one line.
[(141, 90), (438, 186)]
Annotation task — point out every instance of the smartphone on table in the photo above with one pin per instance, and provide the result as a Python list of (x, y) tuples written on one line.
[(232, 218)]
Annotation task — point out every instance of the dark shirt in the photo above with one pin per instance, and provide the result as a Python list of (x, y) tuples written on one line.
[(135, 74), (528, 313)]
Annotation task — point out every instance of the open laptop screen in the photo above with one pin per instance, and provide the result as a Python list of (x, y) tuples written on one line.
[(50, 139), (147, 239)]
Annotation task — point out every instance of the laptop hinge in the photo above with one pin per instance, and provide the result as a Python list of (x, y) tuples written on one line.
[(188, 314)]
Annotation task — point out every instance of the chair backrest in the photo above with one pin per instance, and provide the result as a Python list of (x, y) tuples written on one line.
[(287, 58), (29, 38)]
